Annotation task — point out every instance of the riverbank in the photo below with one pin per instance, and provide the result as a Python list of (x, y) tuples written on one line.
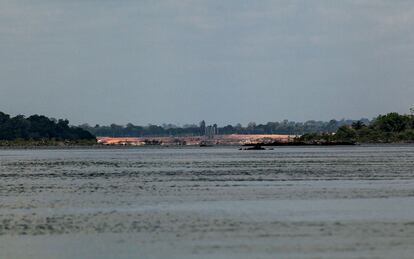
[(45, 143)]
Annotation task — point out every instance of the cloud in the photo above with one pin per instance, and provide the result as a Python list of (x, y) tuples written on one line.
[(214, 55)]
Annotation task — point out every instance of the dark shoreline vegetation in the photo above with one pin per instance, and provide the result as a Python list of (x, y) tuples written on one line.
[(389, 128), (38, 130)]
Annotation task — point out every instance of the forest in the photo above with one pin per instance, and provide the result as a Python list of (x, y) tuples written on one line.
[(392, 127), (389, 128), (283, 127), (39, 127)]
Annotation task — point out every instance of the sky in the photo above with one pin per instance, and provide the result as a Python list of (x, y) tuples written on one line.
[(181, 61)]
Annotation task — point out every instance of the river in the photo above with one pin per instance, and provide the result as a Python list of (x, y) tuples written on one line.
[(218, 202)]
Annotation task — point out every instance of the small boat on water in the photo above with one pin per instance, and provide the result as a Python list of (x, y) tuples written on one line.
[(255, 147), (205, 144)]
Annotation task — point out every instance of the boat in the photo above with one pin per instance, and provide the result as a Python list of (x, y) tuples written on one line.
[(255, 147), (205, 144)]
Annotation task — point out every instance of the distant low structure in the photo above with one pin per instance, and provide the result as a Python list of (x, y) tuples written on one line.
[(121, 141), (211, 135)]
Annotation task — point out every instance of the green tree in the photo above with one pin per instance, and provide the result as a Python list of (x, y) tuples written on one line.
[(358, 125), (346, 133), (392, 122)]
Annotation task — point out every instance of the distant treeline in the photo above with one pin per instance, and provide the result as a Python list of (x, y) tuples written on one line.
[(389, 128), (283, 127), (38, 127)]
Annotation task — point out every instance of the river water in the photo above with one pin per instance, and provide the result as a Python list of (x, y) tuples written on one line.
[(299, 202)]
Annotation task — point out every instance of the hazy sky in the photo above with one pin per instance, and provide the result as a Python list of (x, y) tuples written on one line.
[(225, 61)]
